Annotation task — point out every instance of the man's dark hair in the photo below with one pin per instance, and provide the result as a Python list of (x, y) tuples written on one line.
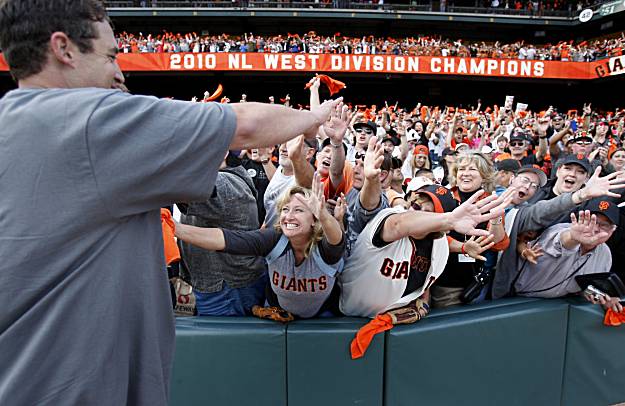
[(423, 172), (26, 27)]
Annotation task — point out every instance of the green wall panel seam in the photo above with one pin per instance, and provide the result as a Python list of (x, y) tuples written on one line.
[(566, 345)]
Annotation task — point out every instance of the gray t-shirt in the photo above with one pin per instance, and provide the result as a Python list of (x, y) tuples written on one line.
[(277, 186), (87, 316)]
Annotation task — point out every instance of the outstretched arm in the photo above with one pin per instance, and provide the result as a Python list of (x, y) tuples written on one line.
[(211, 239), (265, 125)]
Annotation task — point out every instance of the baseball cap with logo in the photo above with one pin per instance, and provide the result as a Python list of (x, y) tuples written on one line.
[(579, 160), (601, 205), (579, 136), (442, 198)]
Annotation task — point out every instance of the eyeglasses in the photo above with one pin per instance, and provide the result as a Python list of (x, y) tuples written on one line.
[(528, 182), (517, 143), (365, 130), (605, 226), (583, 142)]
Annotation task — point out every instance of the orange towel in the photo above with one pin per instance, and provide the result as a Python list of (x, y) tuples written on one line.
[(169, 230), (613, 318), (333, 85), (215, 95), (364, 336)]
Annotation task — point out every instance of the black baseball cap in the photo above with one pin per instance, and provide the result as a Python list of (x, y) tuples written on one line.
[(518, 136), (366, 123), (601, 205), (579, 136), (442, 198), (579, 160), (392, 139)]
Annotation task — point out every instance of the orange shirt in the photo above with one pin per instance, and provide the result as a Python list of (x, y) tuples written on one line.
[(172, 253), (332, 192)]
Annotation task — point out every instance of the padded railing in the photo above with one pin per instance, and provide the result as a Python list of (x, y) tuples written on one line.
[(507, 352)]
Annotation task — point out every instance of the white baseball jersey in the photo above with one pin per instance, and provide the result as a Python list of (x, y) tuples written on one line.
[(374, 279)]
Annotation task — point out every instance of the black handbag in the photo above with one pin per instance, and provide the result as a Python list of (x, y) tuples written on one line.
[(480, 279)]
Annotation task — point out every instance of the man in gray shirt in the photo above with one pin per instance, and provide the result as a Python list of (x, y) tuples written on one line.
[(571, 249), (85, 168)]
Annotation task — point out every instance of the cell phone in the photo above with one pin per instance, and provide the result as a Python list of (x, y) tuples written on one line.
[(573, 125), (595, 293)]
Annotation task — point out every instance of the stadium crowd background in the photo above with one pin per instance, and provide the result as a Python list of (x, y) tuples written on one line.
[(311, 42)]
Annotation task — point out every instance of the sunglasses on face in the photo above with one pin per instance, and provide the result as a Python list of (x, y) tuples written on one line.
[(517, 143), (583, 142)]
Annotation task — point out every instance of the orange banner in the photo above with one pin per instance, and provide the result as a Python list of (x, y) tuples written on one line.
[(423, 65)]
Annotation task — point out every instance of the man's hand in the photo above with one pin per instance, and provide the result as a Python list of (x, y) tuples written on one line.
[(322, 113), (542, 125), (584, 229), (295, 148), (601, 186), (374, 157), (337, 126), (314, 84), (606, 302), (469, 214), (587, 109)]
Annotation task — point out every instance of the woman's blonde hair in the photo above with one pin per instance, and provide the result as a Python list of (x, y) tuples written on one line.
[(283, 200), (482, 162)]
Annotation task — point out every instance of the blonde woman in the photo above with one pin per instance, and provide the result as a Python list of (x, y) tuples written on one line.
[(303, 253), (471, 172)]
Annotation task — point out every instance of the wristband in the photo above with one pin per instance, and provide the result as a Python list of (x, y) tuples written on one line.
[(335, 146), (462, 249)]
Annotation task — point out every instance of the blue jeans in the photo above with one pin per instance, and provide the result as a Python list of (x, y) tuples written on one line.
[(232, 301)]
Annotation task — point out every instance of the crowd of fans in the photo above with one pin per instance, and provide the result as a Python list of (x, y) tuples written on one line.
[(339, 225), (311, 42)]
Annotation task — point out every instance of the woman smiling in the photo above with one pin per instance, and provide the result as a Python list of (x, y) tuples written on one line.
[(303, 253), (471, 172)]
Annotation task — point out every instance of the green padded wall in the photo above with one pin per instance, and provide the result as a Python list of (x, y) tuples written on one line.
[(320, 370), (594, 371), (500, 353), (229, 362)]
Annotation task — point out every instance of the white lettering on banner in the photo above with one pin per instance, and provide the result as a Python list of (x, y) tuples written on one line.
[(463, 66), (336, 62), (378, 63), (435, 65), (477, 67), (192, 61), (313, 61), (271, 61)]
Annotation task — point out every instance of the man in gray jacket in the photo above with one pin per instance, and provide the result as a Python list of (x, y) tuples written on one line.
[(542, 214), (225, 284)]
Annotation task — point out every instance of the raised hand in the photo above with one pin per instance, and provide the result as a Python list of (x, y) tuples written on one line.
[(374, 157), (322, 114), (294, 148), (598, 186), (469, 214), (316, 201), (336, 127), (474, 246), (532, 252), (340, 209), (314, 83), (584, 229)]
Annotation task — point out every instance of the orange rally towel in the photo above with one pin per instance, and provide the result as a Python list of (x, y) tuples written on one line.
[(333, 85), (169, 230), (215, 95), (613, 318), (364, 336)]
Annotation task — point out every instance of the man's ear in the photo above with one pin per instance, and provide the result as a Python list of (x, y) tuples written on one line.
[(62, 48)]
